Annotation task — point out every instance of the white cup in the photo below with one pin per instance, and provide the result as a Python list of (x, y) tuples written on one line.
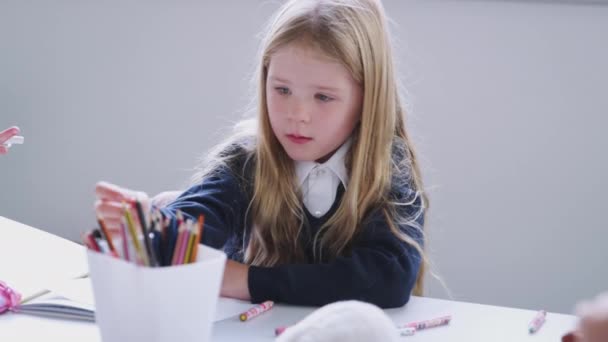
[(176, 303)]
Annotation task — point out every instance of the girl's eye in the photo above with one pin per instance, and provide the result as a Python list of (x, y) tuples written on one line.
[(323, 98), (282, 90)]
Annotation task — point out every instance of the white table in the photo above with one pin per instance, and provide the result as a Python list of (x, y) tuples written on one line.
[(470, 322)]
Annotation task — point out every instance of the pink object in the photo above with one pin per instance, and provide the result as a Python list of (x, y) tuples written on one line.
[(178, 242), (9, 298), (125, 242), (278, 331), (184, 244), (431, 323), (256, 310), (537, 322)]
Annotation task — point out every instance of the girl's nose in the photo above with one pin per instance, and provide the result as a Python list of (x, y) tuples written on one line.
[(299, 112)]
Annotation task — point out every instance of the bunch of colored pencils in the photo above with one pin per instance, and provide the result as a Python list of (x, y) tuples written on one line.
[(153, 240)]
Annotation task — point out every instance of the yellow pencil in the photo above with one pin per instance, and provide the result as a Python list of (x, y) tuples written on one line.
[(199, 233), (134, 237), (190, 243)]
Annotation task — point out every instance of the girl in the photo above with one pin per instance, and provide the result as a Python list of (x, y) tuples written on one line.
[(321, 199)]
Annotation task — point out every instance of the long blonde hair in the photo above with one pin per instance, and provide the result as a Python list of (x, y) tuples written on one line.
[(355, 33)]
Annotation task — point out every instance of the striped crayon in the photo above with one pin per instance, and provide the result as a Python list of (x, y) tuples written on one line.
[(537, 322), (431, 323), (256, 310)]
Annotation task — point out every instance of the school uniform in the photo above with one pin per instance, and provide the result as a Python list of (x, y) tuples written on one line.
[(379, 268)]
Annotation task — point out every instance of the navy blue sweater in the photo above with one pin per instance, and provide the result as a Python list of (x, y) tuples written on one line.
[(379, 267)]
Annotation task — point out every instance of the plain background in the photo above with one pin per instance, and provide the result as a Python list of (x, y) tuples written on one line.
[(507, 104)]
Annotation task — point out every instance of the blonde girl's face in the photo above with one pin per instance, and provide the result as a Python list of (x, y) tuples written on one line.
[(313, 102)]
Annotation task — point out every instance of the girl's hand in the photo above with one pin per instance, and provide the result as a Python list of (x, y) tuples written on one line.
[(235, 283), (594, 319), (109, 205), (5, 135)]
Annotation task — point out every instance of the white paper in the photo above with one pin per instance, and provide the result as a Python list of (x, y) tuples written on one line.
[(78, 290), (156, 304), (32, 259)]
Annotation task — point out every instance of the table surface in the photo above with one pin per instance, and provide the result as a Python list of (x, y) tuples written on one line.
[(470, 321)]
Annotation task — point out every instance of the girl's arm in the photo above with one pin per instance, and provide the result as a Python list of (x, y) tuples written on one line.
[(381, 270), (220, 199)]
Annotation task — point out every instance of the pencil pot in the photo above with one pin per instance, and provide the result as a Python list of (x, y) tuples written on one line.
[(137, 303)]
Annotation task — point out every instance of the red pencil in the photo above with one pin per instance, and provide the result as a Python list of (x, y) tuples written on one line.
[(106, 235), (90, 242), (125, 241)]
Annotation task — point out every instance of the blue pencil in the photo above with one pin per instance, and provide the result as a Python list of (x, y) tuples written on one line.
[(170, 242)]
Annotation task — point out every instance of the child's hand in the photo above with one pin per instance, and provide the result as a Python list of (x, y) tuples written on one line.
[(235, 283), (109, 205), (594, 319), (5, 135)]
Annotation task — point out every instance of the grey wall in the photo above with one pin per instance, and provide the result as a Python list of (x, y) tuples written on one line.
[(507, 101)]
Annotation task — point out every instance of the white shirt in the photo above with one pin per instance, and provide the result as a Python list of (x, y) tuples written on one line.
[(319, 182)]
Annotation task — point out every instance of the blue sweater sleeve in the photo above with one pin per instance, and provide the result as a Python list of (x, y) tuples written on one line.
[(381, 269), (220, 199)]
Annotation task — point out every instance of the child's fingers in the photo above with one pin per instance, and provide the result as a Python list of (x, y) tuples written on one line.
[(114, 219), (8, 133), (107, 210), (112, 223), (111, 192), (113, 226), (102, 205), (110, 210), (113, 214)]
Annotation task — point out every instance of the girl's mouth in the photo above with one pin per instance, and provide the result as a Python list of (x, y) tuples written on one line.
[(298, 139)]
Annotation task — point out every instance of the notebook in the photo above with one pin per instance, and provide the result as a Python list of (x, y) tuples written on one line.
[(58, 307), (73, 299)]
